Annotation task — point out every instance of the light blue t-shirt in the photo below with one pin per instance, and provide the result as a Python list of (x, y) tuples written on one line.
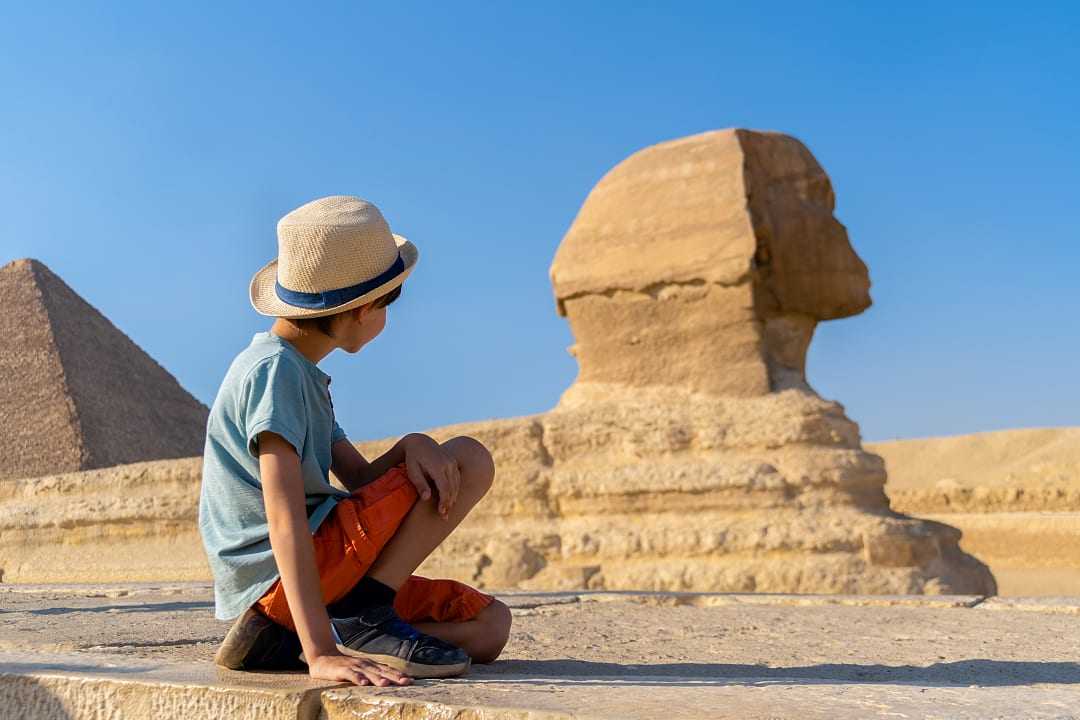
[(270, 386)]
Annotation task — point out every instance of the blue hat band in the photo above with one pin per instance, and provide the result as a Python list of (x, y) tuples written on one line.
[(334, 298)]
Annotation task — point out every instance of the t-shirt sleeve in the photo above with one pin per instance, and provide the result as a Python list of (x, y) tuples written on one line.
[(338, 433), (273, 398)]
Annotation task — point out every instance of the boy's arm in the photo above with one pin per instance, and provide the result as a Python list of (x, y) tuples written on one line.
[(290, 539), (429, 467), (354, 471)]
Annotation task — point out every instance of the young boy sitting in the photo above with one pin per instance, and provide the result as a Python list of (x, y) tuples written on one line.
[(314, 574)]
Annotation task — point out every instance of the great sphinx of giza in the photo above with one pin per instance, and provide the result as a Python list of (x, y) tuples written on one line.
[(690, 453)]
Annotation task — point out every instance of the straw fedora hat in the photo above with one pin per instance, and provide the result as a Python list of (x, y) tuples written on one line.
[(334, 254)]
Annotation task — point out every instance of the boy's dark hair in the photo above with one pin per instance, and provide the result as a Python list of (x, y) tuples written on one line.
[(325, 323)]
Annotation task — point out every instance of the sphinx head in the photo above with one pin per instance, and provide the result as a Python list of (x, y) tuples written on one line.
[(704, 264)]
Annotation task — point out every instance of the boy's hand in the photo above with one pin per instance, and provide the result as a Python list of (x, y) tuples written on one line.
[(344, 668), (429, 466)]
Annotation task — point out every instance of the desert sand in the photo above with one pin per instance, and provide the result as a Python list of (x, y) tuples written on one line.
[(1014, 494)]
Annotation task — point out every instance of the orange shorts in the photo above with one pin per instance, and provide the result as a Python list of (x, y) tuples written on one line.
[(349, 540)]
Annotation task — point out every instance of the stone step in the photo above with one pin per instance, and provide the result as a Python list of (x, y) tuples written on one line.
[(143, 651)]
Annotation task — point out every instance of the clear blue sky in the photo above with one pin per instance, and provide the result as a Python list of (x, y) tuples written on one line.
[(147, 152)]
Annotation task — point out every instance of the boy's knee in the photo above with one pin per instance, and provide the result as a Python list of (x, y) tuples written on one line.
[(497, 620), (475, 460)]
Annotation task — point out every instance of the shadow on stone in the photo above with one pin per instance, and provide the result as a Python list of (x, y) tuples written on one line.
[(148, 607), (23, 668)]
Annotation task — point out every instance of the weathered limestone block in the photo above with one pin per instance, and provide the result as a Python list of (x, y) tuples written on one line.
[(650, 495), (680, 335), (127, 523)]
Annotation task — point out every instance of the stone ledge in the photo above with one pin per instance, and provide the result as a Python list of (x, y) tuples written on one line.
[(144, 650), (182, 692), (76, 686)]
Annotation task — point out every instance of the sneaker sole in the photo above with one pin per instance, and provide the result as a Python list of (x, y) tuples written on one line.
[(240, 639), (418, 671)]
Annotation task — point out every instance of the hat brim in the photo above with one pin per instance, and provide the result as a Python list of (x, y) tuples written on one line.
[(266, 302)]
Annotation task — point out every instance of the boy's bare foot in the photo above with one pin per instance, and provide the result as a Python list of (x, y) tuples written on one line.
[(377, 634)]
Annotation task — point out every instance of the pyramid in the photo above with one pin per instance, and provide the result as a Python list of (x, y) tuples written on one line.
[(75, 392)]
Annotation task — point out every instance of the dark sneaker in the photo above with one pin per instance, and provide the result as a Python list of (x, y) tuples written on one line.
[(379, 635), (255, 642)]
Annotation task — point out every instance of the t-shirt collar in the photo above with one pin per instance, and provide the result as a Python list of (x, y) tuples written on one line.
[(270, 337)]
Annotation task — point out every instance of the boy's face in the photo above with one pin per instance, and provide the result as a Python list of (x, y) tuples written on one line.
[(359, 327)]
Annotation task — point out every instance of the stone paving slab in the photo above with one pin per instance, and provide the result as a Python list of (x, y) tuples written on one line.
[(144, 651), (88, 685)]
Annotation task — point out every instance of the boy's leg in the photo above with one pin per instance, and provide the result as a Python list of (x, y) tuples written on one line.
[(419, 533), (365, 619), (423, 529), (454, 612), (483, 637)]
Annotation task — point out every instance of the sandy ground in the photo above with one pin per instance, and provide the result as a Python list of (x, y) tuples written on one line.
[(1007, 458), (1014, 494), (612, 655)]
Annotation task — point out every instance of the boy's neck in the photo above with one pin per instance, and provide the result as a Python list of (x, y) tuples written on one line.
[(313, 346)]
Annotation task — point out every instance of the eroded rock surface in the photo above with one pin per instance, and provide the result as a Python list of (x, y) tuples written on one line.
[(769, 494), (120, 524)]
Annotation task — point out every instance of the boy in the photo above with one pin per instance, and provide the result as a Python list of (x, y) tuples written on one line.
[(318, 575)]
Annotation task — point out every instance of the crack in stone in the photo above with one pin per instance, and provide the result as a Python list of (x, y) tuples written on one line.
[(654, 289)]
